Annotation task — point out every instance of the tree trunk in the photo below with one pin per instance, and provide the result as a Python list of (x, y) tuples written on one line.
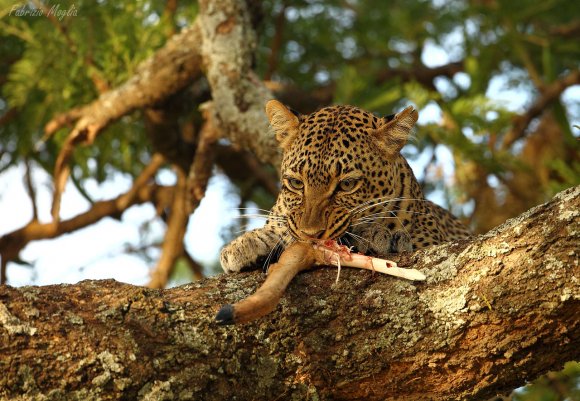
[(494, 312)]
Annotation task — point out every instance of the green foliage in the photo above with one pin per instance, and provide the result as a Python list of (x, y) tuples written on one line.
[(568, 175), (51, 65), (352, 44), (555, 386)]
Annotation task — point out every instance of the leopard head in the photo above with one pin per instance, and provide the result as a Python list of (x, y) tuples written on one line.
[(337, 163)]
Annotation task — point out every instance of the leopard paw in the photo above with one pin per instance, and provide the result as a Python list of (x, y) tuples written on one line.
[(248, 251)]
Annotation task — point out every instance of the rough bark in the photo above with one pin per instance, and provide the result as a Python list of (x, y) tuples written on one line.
[(494, 312), (238, 94)]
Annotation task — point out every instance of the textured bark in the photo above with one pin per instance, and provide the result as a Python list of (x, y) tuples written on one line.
[(495, 311), (239, 96)]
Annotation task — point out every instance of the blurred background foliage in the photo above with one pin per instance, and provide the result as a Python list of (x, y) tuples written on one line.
[(496, 83), (555, 386), (471, 67)]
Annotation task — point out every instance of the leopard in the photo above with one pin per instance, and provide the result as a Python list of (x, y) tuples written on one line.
[(344, 178)]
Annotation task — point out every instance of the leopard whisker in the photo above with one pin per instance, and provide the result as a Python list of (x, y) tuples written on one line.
[(375, 216), (363, 207), (343, 238), (259, 216), (252, 208), (361, 222), (394, 210), (276, 246), (355, 236), (394, 216)]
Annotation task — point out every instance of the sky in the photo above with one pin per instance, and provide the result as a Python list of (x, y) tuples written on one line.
[(98, 251)]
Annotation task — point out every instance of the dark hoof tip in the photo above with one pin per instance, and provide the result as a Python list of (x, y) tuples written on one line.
[(225, 315)]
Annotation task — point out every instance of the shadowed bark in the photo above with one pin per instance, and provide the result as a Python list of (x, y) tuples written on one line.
[(494, 312)]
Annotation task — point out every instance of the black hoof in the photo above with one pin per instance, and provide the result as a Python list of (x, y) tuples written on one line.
[(225, 315)]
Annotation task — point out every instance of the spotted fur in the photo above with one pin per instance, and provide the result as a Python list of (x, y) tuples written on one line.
[(344, 178)]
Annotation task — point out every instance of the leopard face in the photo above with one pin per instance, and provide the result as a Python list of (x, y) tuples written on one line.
[(341, 169)]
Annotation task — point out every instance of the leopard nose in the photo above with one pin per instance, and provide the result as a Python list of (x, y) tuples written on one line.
[(313, 233)]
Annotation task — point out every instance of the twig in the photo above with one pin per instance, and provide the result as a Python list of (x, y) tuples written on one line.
[(148, 172), (203, 161), (549, 94), (30, 189)]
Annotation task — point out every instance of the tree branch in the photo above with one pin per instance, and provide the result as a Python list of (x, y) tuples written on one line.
[(496, 311), (170, 69), (30, 189), (203, 162), (420, 73), (276, 44), (12, 243), (173, 241), (548, 95), (238, 95)]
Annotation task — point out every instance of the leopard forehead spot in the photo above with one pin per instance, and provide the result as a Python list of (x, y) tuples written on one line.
[(331, 142)]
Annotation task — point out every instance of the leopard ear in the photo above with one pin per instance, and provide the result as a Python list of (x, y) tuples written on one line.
[(392, 134), (283, 121)]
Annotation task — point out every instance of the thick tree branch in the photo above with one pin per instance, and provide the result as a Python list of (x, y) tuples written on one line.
[(170, 69), (238, 95), (495, 311)]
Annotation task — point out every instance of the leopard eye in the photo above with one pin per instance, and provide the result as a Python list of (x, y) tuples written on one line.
[(295, 184), (347, 185)]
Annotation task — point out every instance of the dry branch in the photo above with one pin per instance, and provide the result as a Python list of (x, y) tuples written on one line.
[(141, 192), (170, 69), (494, 312), (173, 245), (548, 95)]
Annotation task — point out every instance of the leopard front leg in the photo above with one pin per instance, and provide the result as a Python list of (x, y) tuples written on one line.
[(250, 250)]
